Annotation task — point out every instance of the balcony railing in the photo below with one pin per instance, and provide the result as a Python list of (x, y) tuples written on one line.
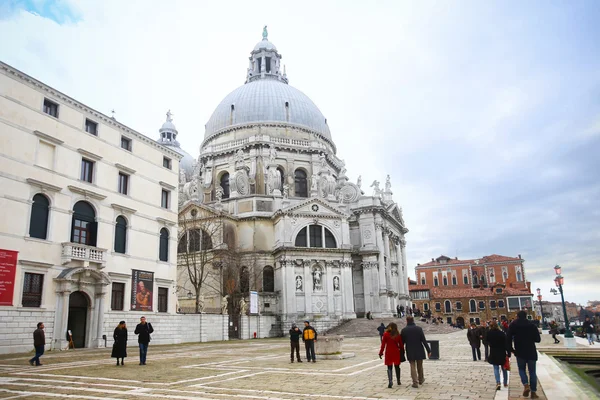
[(82, 252)]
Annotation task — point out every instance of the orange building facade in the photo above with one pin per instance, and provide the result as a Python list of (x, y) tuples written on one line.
[(477, 290)]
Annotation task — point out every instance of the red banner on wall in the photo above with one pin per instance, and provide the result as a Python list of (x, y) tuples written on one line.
[(8, 270)]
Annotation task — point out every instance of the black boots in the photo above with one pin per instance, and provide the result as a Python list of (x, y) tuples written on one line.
[(122, 361), (389, 371), (397, 367), (117, 362)]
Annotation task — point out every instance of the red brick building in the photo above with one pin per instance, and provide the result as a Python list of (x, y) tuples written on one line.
[(464, 291)]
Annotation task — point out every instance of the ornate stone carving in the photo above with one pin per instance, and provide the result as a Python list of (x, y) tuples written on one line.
[(349, 193), (240, 182), (299, 283), (286, 191), (219, 193), (224, 305), (367, 234), (273, 180), (336, 283), (243, 307), (359, 181), (376, 189), (388, 185), (317, 274)]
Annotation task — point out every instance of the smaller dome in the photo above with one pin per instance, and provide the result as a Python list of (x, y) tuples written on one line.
[(168, 125), (265, 45)]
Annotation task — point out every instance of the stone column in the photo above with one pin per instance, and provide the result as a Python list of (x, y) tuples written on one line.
[(368, 287), (347, 289), (405, 277), (388, 264), (98, 318), (60, 319), (383, 310), (308, 288), (328, 286)]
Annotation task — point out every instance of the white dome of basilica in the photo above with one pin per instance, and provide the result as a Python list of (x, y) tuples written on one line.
[(267, 100), (265, 44)]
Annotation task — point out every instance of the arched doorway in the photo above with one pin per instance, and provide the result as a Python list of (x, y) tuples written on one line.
[(460, 321), (77, 322)]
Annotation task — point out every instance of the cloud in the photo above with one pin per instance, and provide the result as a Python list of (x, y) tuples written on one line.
[(59, 11), (486, 117)]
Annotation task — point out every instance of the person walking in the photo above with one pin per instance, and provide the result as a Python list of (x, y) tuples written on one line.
[(554, 331), (392, 344), (381, 329), (295, 334), (39, 343), (588, 328), (402, 311), (414, 340), (485, 328), (524, 335), (119, 349), (143, 330), (474, 336), (309, 337), (496, 339)]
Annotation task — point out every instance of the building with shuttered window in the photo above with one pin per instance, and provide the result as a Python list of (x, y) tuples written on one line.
[(86, 201)]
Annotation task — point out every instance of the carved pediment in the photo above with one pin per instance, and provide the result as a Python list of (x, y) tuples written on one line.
[(314, 207)]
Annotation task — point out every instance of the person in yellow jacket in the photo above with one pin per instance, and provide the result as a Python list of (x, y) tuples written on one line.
[(309, 337)]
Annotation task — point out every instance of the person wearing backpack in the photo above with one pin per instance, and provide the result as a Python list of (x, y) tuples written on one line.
[(309, 337)]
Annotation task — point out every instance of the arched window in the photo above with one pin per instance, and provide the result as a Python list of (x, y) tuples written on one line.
[(225, 184), (475, 280), (445, 280), (454, 282), (519, 276), (120, 235), (472, 306), (84, 227), (163, 251), (268, 279), (300, 184), (422, 281), (244, 280), (466, 279), (194, 240), (282, 175), (315, 236), (435, 281), (447, 306), (38, 223), (482, 279)]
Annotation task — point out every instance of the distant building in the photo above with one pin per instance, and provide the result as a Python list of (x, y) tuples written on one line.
[(464, 291)]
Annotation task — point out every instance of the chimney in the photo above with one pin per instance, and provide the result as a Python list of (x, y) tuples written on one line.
[(519, 256), (456, 258), (432, 259)]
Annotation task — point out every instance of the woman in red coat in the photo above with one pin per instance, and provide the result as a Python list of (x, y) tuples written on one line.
[(392, 343)]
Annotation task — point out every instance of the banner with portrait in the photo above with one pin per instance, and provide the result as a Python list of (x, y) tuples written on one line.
[(142, 287)]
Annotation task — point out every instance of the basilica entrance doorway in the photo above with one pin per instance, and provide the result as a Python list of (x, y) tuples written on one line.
[(77, 322)]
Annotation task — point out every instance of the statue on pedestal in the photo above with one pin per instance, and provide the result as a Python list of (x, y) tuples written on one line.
[(224, 305), (243, 307)]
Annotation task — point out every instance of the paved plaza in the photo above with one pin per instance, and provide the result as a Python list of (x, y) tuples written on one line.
[(258, 369)]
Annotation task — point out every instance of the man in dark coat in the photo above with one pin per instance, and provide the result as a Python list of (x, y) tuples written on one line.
[(474, 336), (295, 334), (143, 330), (524, 335), (414, 340), (39, 342), (381, 329), (485, 328), (309, 337)]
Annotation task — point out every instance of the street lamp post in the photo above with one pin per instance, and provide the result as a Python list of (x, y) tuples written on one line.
[(539, 297), (559, 281)]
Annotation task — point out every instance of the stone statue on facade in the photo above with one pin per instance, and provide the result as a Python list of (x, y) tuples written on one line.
[(286, 191), (336, 283), (169, 116), (359, 181), (314, 182), (182, 179), (323, 161), (388, 185), (298, 283), (243, 307), (265, 34), (272, 155), (201, 303), (224, 305), (376, 189), (219, 193), (317, 275)]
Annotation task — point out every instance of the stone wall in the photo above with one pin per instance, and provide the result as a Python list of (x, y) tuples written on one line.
[(17, 326), (16, 329)]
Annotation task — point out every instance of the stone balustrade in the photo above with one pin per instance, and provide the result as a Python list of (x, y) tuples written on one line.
[(82, 252)]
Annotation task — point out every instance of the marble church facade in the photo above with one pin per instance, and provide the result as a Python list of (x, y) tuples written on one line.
[(269, 165)]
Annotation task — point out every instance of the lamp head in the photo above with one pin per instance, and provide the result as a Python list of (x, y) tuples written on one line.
[(557, 269), (539, 291)]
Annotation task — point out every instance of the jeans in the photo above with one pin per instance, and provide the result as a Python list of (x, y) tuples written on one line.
[(476, 353), (310, 350), (590, 337), (143, 352), (497, 374), (39, 351), (530, 364)]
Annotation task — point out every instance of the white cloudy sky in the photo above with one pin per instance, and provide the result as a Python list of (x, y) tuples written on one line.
[(485, 114)]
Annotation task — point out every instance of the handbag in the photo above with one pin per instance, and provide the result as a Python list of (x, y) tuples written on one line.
[(402, 356), (506, 365)]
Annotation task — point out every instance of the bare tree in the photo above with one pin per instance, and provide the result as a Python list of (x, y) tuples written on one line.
[(198, 252)]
